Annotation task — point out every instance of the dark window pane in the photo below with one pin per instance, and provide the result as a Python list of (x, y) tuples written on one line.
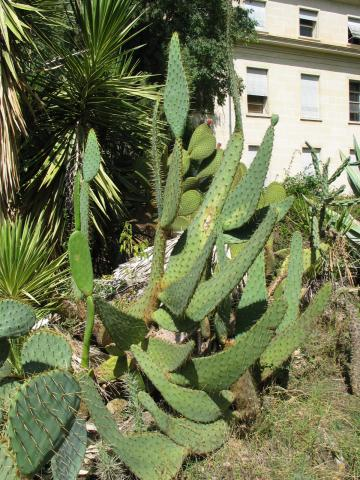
[(256, 104), (307, 28)]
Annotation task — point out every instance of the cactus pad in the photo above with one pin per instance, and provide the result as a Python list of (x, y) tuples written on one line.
[(190, 183), (172, 193), (190, 202), (284, 343), (202, 143), (67, 461), (176, 95), (84, 208), (198, 438), (80, 262), (195, 405), (242, 201), (45, 350), (209, 294), (92, 157), (16, 318), (40, 416), (169, 356), (221, 370), (150, 456), (180, 224), (211, 168), (124, 329)]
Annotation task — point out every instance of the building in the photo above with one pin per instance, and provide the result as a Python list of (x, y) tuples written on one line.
[(306, 68)]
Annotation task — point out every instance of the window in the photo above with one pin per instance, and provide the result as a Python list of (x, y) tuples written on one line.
[(257, 90), (354, 31), (354, 101), (310, 108), (257, 12), (308, 23), (306, 160)]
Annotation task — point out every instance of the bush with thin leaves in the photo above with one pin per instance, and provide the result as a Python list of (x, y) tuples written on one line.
[(29, 268)]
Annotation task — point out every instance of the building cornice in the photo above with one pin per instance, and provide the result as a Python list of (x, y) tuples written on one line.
[(309, 45)]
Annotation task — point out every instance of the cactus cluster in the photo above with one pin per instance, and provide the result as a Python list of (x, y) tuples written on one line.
[(39, 400), (194, 295)]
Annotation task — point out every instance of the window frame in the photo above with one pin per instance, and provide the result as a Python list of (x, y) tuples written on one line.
[(354, 102), (352, 18), (265, 102), (303, 116), (315, 30), (259, 28)]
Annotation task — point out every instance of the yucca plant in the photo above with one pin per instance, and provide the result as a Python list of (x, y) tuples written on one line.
[(91, 83), (29, 268)]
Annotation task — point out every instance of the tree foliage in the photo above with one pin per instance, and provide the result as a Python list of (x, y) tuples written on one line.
[(202, 29)]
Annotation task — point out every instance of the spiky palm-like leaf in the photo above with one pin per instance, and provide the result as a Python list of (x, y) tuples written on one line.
[(93, 84)]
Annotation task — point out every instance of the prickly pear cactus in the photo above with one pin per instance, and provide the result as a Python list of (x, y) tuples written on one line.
[(194, 294)]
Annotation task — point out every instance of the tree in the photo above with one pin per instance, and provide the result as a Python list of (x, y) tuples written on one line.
[(202, 29)]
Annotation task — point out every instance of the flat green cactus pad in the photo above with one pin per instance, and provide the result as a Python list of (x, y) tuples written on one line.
[(202, 143), (8, 470), (210, 293), (190, 183), (16, 318), (221, 370), (243, 200), (205, 220), (176, 95), (150, 456), (295, 334), (76, 200), (123, 328), (211, 168), (45, 350), (190, 202), (67, 461), (41, 414), (92, 157), (198, 438), (293, 282), (8, 387), (84, 208), (173, 187), (169, 355), (4, 350), (180, 224), (195, 405), (172, 323), (80, 262)]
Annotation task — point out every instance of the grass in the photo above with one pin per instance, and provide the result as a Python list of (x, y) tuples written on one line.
[(308, 431)]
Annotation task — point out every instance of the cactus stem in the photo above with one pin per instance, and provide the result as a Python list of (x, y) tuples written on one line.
[(88, 331)]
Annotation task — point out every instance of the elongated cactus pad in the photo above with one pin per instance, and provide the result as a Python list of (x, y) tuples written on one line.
[(221, 370), (205, 221), (190, 183), (198, 438), (211, 168), (287, 341), (45, 350), (16, 318), (8, 470), (172, 323), (67, 461), (202, 143), (84, 208), (42, 413), (210, 293), (124, 329), (150, 456), (176, 95), (8, 387), (253, 300), (195, 405), (293, 282), (80, 262), (92, 157), (173, 188), (76, 200), (242, 201), (169, 356)]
